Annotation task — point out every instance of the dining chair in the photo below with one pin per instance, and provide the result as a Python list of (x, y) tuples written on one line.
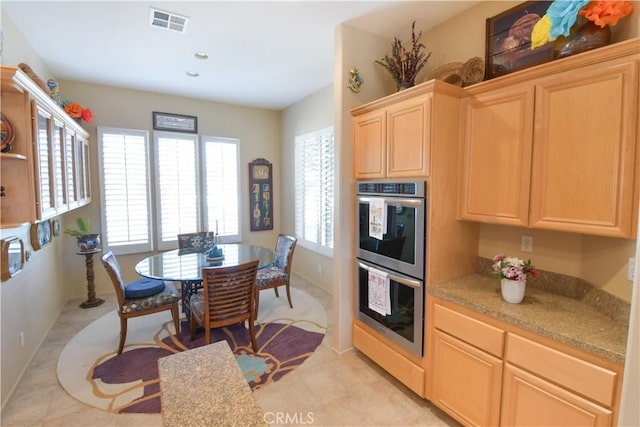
[(228, 298), (279, 273), (140, 297), (200, 241)]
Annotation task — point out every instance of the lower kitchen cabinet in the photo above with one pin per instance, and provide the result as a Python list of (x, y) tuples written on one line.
[(466, 381), (486, 372), (529, 400)]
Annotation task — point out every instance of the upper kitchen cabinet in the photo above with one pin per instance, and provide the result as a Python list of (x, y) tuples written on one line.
[(45, 172), (496, 150), (392, 136), (554, 147)]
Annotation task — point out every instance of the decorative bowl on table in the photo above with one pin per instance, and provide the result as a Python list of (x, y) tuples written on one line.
[(215, 254)]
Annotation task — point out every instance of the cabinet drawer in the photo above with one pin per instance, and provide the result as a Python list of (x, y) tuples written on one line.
[(472, 331), (592, 381), (410, 374)]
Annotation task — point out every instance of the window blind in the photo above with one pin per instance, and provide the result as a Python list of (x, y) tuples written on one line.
[(222, 187), (177, 186), (125, 190), (314, 194)]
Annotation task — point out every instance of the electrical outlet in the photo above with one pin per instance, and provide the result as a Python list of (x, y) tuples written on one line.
[(21, 335), (526, 244), (631, 272), (319, 269)]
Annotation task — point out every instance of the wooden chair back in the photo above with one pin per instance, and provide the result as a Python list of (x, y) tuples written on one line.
[(229, 294)]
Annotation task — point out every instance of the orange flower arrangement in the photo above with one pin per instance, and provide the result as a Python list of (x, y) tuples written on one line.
[(606, 12), (77, 111)]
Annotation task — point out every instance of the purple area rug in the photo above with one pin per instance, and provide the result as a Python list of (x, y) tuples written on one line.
[(281, 348)]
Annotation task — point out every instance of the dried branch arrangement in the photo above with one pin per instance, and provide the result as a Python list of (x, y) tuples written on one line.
[(404, 65)]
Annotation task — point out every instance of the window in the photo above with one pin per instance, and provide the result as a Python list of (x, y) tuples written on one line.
[(176, 186), (124, 180), (196, 188), (314, 175), (221, 187)]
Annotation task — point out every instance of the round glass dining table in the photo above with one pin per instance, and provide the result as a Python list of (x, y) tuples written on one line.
[(185, 265)]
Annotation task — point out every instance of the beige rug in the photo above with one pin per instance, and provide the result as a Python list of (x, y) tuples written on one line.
[(94, 348)]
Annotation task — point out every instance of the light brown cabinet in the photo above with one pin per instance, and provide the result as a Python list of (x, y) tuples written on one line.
[(573, 391), (557, 151), (486, 372), (466, 352), (46, 172), (394, 140)]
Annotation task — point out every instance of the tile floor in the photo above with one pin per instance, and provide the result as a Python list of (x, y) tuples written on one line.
[(327, 390)]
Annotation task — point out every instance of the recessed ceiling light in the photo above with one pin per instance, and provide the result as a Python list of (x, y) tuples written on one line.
[(201, 55), (193, 73)]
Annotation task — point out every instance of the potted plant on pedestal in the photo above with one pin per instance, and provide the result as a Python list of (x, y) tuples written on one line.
[(87, 241)]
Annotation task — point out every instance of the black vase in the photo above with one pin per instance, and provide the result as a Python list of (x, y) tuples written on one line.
[(584, 36)]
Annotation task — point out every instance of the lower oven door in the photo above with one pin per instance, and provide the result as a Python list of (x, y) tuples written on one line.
[(392, 304)]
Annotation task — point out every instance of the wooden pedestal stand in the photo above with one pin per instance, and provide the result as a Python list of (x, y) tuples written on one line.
[(91, 301)]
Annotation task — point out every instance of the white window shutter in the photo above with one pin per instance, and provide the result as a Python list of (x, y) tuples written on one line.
[(124, 177), (177, 186)]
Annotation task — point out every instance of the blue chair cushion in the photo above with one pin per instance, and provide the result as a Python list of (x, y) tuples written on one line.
[(143, 288)]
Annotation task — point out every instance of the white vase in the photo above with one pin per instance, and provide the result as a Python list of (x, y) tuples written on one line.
[(513, 290)]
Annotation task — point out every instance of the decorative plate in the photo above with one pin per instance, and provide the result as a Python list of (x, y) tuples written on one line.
[(40, 234), (6, 133), (215, 258)]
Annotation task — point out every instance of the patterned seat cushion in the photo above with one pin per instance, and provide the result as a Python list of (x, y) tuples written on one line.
[(143, 288), (196, 303), (168, 296), (268, 275)]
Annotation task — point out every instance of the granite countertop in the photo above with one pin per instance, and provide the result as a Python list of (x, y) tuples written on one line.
[(206, 387), (567, 320)]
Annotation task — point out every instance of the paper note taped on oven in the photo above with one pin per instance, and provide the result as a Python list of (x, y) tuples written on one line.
[(377, 218), (379, 295)]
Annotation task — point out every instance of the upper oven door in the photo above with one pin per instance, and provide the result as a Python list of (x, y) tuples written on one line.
[(402, 245)]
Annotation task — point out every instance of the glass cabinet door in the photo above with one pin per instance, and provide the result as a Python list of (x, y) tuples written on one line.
[(44, 159), (71, 168), (59, 175), (82, 158)]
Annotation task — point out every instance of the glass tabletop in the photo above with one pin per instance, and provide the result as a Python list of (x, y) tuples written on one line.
[(181, 264)]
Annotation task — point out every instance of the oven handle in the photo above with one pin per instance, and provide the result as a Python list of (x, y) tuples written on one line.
[(395, 201), (405, 281)]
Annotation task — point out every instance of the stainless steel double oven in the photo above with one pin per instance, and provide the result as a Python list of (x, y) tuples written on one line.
[(390, 263)]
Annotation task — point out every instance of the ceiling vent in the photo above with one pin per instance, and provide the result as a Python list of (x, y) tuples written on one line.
[(168, 20)]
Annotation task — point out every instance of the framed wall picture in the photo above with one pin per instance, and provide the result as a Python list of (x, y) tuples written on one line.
[(11, 257), (508, 40), (40, 234), (260, 195), (175, 122), (55, 226)]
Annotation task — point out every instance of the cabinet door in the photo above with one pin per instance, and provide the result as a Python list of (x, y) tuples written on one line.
[(369, 147), (409, 138), (71, 167), (529, 400), (59, 169), (465, 381), (82, 170), (496, 156), (584, 150), (43, 159)]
